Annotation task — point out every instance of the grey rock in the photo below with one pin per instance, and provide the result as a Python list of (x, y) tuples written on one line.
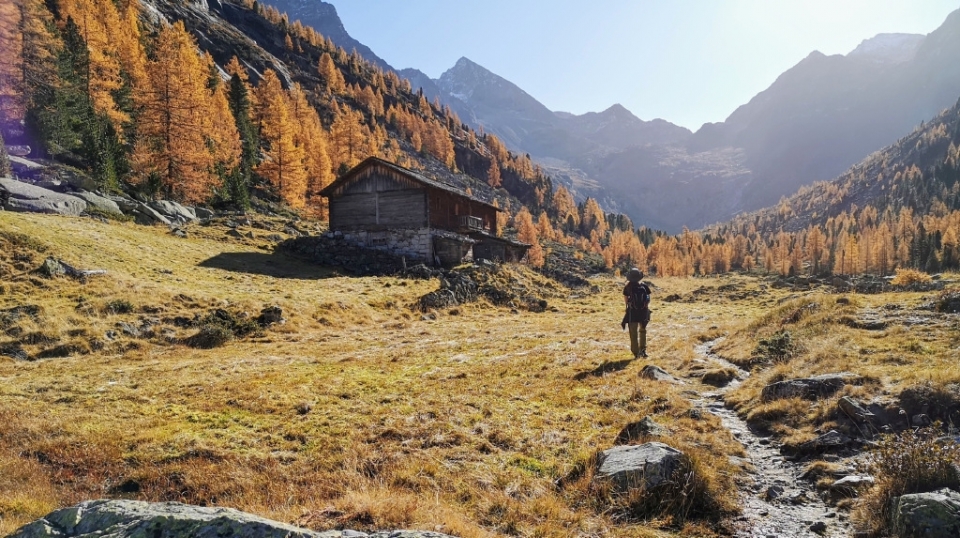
[(270, 315), (147, 216), (77, 179), (645, 466), (635, 430), (657, 374), (232, 232), (810, 388), (932, 515), (920, 420), (173, 211), (52, 268), (136, 519), (203, 213), (125, 518), (25, 198), (828, 441), (128, 329), (849, 485), (52, 184), (21, 164), (854, 410), (773, 492), (819, 527), (99, 202)]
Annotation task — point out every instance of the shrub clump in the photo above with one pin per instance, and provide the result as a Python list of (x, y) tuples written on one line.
[(118, 306), (210, 336), (219, 327), (909, 277), (912, 462), (778, 347)]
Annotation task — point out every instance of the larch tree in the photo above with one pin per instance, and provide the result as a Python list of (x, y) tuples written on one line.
[(11, 54), (545, 228), (331, 75), (223, 138), (348, 139), (172, 153), (527, 233), (28, 58), (593, 218), (311, 136), (493, 173), (565, 208), (282, 165), (98, 22)]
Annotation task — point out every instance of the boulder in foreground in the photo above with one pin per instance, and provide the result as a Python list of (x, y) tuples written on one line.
[(25, 198), (933, 515), (135, 519), (645, 466)]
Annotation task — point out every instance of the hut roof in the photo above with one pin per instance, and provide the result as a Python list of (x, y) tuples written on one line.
[(330, 189)]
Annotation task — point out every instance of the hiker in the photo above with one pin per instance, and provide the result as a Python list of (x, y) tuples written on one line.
[(636, 294)]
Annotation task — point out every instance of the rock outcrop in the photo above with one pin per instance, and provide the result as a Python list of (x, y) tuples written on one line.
[(645, 466), (27, 198), (932, 515), (810, 388), (99, 202), (135, 519)]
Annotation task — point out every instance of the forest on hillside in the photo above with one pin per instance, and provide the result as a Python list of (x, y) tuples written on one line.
[(140, 104)]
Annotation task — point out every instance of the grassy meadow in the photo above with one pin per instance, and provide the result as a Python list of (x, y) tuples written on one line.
[(362, 412)]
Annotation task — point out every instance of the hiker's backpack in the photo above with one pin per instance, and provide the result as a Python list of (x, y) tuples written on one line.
[(640, 297)]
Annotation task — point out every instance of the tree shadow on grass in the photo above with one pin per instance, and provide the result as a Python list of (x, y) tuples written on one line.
[(603, 369), (274, 265)]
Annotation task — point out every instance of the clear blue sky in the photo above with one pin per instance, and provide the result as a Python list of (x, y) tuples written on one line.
[(686, 61)]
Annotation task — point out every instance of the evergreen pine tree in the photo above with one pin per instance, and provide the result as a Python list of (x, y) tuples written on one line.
[(5, 170), (238, 182)]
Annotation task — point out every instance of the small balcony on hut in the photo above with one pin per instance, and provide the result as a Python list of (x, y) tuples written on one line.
[(467, 224)]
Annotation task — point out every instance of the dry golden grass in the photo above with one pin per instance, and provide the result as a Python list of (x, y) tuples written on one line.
[(361, 412)]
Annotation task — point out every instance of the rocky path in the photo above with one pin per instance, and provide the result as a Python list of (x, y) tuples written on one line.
[(776, 502)]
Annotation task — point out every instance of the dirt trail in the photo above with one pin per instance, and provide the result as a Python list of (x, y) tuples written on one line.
[(777, 503)]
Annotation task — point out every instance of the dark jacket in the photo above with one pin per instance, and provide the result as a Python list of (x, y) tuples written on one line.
[(636, 313)]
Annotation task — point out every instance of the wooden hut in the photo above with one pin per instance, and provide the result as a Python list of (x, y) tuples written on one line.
[(378, 204)]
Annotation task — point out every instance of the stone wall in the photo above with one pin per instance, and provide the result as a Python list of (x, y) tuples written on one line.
[(416, 245), (381, 251)]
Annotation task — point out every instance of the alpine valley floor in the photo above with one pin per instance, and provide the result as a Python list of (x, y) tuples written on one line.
[(362, 412)]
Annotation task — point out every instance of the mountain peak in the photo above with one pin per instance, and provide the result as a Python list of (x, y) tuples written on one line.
[(465, 62), (888, 48), (618, 109), (323, 17)]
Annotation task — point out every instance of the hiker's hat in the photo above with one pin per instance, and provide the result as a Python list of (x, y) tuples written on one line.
[(634, 275)]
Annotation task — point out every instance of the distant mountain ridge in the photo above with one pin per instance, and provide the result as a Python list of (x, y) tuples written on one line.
[(893, 48), (817, 119), (813, 122), (323, 17)]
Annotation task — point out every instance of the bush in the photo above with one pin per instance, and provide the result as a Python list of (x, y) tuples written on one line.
[(913, 462), (237, 324), (907, 277), (778, 347), (118, 306), (210, 336)]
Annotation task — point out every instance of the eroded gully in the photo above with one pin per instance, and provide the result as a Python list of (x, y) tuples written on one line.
[(775, 501)]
